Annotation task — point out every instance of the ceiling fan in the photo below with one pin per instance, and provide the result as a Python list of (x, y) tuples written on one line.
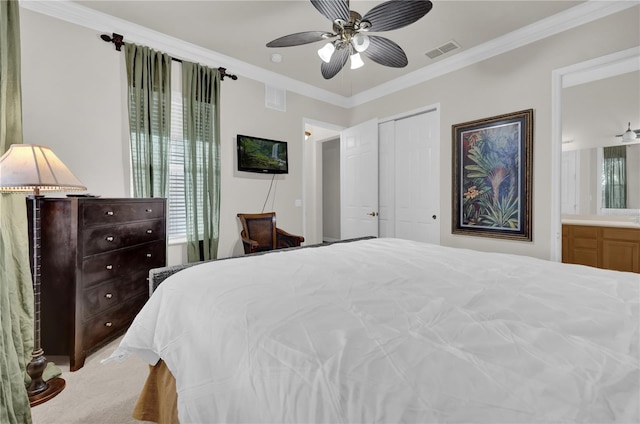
[(350, 35)]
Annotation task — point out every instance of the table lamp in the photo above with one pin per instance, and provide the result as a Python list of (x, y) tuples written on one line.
[(34, 169)]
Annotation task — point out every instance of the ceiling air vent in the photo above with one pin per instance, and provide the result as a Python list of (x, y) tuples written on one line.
[(445, 48)]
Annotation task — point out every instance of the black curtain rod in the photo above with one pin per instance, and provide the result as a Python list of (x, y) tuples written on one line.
[(118, 41)]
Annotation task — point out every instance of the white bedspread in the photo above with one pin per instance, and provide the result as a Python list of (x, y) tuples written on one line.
[(395, 331)]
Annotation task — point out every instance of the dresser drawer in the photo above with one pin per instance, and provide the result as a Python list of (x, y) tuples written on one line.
[(113, 292), (109, 212), (103, 239), (111, 322), (122, 263)]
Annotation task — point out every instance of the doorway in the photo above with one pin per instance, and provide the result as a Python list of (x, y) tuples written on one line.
[(591, 70), (312, 179), (416, 186)]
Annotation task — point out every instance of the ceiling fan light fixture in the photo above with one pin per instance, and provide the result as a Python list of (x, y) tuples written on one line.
[(356, 61), (350, 33), (326, 52), (629, 135), (360, 42)]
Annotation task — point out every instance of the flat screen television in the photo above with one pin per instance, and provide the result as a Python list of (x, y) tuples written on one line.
[(261, 155)]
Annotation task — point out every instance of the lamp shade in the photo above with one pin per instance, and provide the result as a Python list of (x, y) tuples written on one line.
[(33, 168), (360, 42), (326, 52), (356, 61)]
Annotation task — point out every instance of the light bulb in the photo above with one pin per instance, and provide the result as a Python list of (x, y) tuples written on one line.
[(356, 61), (326, 52), (360, 42)]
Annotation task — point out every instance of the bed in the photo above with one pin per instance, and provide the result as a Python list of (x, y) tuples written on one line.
[(394, 331)]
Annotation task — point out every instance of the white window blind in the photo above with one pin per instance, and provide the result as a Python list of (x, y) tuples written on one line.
[(177, 211), (177, 226)]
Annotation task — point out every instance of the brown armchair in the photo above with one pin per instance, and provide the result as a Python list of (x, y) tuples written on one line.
[(259, 233)]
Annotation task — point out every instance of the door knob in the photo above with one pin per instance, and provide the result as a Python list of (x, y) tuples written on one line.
[(434, 217), (373, 213)]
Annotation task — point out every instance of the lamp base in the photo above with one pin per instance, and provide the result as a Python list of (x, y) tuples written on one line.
[(40, 391), (54, 387)]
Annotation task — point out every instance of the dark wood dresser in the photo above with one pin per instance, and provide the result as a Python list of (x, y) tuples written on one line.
[(96, 256)]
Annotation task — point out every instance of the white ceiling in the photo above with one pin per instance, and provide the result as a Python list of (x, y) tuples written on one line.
[(595, 112), (233, 34), (240, 29)]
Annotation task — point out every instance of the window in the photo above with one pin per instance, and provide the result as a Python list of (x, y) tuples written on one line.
[(176, 201), (614, 177)]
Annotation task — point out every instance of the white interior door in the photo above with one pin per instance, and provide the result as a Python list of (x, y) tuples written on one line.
[(359, 180), (417, 178)]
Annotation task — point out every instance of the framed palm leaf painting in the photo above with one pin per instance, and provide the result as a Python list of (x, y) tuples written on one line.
[(492, 162)]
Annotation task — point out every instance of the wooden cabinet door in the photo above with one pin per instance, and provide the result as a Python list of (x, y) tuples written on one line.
[(614, 248), (582, 244), (620, 249)]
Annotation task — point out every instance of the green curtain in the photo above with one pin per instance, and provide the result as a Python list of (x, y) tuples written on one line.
[(614, 176), (201, 127), (149, 86), (16, 289)]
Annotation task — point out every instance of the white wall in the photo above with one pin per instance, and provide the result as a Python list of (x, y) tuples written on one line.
[(510, 82), (633, 176), (74, 101), (331, 190), (73, 87)]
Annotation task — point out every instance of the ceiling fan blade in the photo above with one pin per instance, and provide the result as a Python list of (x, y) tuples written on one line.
[(300, 38), (395, 14), (338, 59), (386, 52), (333, 9)]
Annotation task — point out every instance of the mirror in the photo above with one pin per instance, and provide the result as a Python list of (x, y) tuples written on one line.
[(593, 114)]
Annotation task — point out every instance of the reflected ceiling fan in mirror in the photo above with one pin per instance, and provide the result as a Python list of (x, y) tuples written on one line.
[(350, 35), (629, 135)]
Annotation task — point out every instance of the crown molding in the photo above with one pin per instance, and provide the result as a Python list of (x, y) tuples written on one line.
[(101, 22), (578, 15), (83, 16)]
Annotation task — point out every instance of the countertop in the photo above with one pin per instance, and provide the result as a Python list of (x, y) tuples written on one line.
[(602, 220)]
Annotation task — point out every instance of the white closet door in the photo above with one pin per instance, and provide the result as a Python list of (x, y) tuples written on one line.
[(387, 180), (417, 178)]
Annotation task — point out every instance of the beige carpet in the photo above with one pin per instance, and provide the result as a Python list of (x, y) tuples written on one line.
[(96, 393)]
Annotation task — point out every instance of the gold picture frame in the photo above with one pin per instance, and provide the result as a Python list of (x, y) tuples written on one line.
[(492, 182)]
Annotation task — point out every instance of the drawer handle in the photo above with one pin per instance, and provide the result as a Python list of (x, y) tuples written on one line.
[(110, 238), (109, 267), (149, 210), (149, 231), (148, 255), (109, 213), (108, 295), (108, 324)]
